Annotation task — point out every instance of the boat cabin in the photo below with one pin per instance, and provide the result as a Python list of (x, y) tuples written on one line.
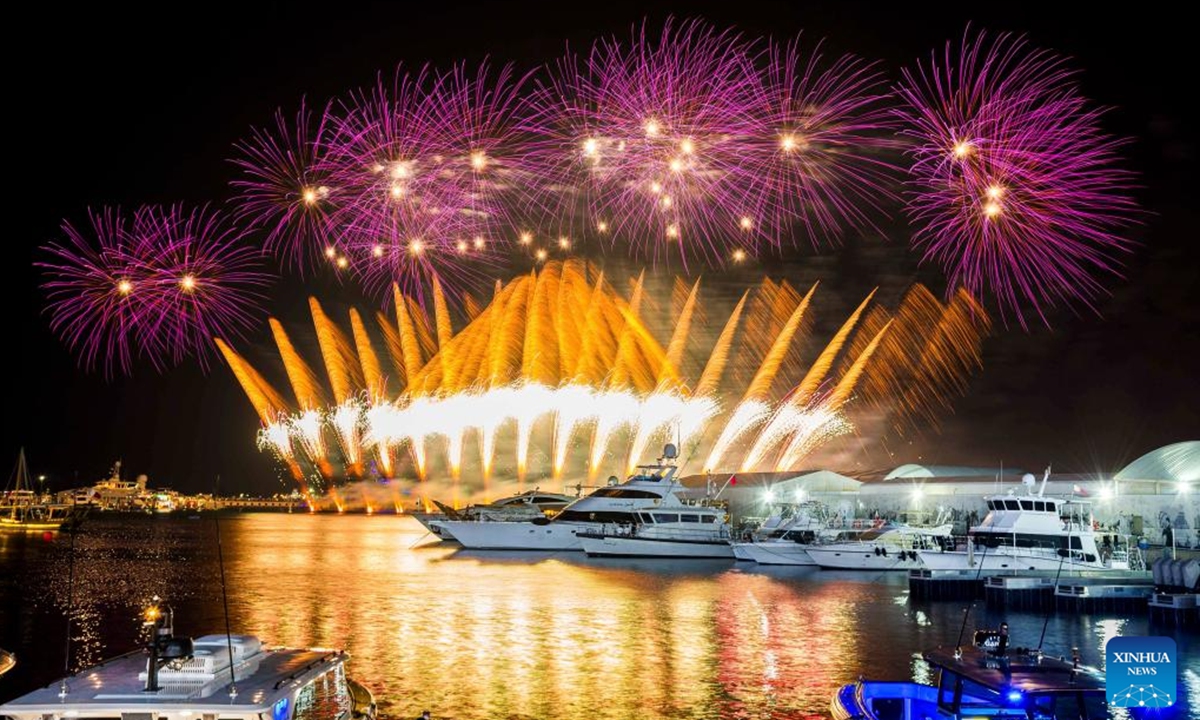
[(978, 683), (272, 684)]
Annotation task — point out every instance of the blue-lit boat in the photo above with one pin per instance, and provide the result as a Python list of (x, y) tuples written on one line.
[(977, 682)]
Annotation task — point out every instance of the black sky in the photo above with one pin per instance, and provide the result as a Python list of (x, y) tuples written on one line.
[(121, 107)]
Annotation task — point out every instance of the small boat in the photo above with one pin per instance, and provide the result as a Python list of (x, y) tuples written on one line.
[(891, 547), (22, 509), (532, 505), (7, 661), (979, 682), (233, 677), (691, 531)]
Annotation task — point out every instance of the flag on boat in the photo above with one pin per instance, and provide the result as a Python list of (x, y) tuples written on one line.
[(1079, 490), (733, 479)]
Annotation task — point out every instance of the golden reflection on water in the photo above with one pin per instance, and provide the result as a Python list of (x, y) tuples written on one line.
[(493, 635), (549, 635)]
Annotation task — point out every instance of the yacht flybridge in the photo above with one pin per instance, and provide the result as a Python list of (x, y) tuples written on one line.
[(650, 488), (1029, 532), (231, 677), (699, 530)]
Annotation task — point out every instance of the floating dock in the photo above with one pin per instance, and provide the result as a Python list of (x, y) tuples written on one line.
[(1175, 608), (1037, 590)]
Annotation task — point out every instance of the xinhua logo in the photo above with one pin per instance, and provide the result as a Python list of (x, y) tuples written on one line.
[(1140, 672)]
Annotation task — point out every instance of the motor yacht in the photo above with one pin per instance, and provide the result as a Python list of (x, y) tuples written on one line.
[(890, 547), (1029, 532), (696, 531), (651, 487)]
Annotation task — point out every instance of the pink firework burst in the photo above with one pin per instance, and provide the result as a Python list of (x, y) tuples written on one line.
[(699, 143), (427, 169), (818, 158), (207, 281), (1015, 187), (158, 286), (285, 188), (94, 279), (641, 141)]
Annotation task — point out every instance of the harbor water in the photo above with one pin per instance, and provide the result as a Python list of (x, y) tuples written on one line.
[(507, 635)]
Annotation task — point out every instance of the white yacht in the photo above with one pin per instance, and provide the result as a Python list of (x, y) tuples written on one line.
[(651, 487), (891, 547), (232, 677), (530, 505), (780, 541), (695, 531), (1028, 532)]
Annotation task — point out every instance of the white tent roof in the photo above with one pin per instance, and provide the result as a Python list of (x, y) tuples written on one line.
[(1179, 462)]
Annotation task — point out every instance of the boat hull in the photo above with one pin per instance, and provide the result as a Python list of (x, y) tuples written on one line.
[(433, 522), (864, 558), (775, 553), (1000, 562), (740, 552), (600, 545), (551, 537)]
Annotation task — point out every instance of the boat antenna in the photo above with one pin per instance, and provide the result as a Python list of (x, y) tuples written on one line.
[(967, 612), (63, 688), (1057, 575), (224, 595), (1045, 478)]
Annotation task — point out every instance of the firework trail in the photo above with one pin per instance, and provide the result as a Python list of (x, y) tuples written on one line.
[(561, 369), (1015, 188)]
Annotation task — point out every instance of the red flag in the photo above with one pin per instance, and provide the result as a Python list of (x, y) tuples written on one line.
[(1078, 490), (733, 479)]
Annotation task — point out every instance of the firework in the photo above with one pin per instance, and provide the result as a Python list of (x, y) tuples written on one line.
[(699, 143), (159, 285), (205, 279), (285, 188), (645, 135), (424, 169), (94, 284), (560, 368), (816, 159), (1015, 187)]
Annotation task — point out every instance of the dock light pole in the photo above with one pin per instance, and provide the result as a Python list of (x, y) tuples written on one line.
[(153, 618)]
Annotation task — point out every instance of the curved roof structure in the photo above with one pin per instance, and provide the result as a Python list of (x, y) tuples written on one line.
[(912, 470), (1179, 462)]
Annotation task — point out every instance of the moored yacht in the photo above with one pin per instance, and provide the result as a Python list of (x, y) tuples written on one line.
[(232, 677), (784, 541), (891, 547), (1028, 532), (695, 531), (530, 505), (650, 487)]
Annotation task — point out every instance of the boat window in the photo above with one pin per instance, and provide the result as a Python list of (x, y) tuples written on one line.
[(1012, 505), (1068, 705), (1026, 504), (624, 493), (1039, 506), (325, 696), (665, 517), (689, 518), (1076, 543), (599, 517), (946, 689), (547, 499), (708, 518), (991, 505), (974, 694)]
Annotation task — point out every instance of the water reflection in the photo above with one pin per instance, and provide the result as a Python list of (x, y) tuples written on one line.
[(486, 635)]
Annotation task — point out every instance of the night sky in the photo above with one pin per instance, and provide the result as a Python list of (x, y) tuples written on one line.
[(116, 107)]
